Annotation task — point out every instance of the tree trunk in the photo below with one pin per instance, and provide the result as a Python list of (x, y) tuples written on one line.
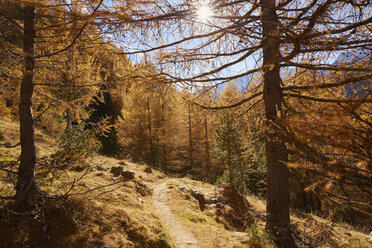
[(164, 164), (191, 148), (151, 159), (277, 207), (26, 182), (229, 160), (207, 168)]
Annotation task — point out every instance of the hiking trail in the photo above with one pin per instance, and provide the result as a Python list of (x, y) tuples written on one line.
[(180, 234)]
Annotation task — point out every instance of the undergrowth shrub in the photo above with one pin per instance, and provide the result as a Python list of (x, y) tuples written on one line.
[(4, 111), (259, 238), (76, 144), (53, 222)]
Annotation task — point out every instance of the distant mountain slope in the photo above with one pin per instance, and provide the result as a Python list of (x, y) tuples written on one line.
[(359, 89)]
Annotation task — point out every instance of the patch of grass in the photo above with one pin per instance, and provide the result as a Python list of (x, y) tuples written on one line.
[(190, 217), (145, 230), (356, 243), (54, 223), (208, 232), (258, 238)]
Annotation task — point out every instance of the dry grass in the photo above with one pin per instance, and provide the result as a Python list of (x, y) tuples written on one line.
[(205, 225), (99, 211), (315, 229), (122, 214)]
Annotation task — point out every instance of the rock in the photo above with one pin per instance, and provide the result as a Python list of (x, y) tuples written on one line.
[(212, 200), (142, 189), (116, 170), (200, 197), (122, 162), (101, 168), (220, 205), (78, 168), (119, 170), (230, 196), (127, 174), (99, 174), (182, 188), (148, 170), (7, 145)]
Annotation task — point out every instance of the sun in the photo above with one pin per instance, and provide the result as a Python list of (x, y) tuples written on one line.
[(204, 12)]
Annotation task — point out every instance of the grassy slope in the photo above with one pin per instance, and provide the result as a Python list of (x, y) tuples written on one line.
[(122, 214)]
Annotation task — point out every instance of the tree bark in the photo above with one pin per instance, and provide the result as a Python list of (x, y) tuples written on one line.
[(191, 148), (207, 168), (26, 181), (151, 159), (164, 164), (277, 207), (229, 160)]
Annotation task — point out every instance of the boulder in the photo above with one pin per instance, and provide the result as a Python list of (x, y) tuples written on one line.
[(116, 170), (233, 198), (182, 188), (120, 171), (198, 196), (148, 170), (142, 189), (219, 205), (212, 199), (128, 174)]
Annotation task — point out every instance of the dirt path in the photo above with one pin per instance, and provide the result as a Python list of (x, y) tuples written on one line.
[(180, 234)]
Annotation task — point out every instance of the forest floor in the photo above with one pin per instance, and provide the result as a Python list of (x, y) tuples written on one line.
[(93, 208)]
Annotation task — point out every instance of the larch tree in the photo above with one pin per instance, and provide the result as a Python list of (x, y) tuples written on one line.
[(68, 27), (206, 43)]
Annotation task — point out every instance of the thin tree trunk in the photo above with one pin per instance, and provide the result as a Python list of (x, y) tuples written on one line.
[(207, 168), (163, 134), (191, 148), (150, 131), (26, 181), (229, 161), (278, 220)]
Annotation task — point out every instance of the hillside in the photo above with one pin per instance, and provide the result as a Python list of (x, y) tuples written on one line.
[(98, 204)]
